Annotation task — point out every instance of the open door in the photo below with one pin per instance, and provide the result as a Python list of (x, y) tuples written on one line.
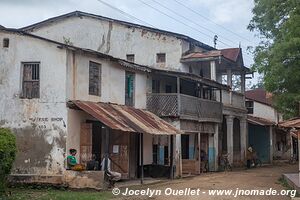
[(85, 143)]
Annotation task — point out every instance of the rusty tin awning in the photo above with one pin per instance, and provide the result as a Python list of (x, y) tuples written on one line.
[(291, 123), (259, 121), (126, 118)]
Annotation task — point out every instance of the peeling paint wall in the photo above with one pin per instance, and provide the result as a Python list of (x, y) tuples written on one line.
[(112, 81), (45, 127), (118, 40), (39, 124), (266, 112)]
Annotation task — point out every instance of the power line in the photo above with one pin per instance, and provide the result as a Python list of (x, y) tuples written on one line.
[(125, 13), (156, 9), (209, 36), (197, 13), (176, 13)]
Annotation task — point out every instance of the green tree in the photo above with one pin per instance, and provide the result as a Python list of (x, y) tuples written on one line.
[(7, 155), (278, 54)]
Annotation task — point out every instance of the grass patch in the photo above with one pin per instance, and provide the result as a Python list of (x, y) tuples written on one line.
[(286, 185), (55, 194)]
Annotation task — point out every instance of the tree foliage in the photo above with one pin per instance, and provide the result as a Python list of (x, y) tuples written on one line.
[(7, 155), (277, 56)]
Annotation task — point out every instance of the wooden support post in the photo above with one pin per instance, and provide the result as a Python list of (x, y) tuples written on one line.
[(178, 96), (199, 151), (106, 131), (142, 158), (171, 157)]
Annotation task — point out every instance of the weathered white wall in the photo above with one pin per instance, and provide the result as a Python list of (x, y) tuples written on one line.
[(264, 111), (117, 40), (39, 124), (112, 81)]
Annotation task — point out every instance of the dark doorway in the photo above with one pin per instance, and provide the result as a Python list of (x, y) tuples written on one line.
[(185, 146), (236, 140)]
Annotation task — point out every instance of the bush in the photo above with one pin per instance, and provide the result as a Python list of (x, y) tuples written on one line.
[(7, 155)]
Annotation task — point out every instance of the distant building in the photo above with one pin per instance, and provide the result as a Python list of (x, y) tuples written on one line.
[(263, 134)]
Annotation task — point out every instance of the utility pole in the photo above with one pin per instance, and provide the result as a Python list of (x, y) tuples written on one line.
[(215, 41)]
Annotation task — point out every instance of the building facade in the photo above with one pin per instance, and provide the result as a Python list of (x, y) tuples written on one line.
[(185, 82), (269, 141)]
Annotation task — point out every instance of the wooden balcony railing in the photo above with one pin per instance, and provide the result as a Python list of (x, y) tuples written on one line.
[(184, 106)]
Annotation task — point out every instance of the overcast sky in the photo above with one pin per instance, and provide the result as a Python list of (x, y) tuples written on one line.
[(234, 15)]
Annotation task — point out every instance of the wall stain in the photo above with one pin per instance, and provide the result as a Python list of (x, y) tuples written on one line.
[(36, 155), (102, 43), (108, 37), (144, 32)]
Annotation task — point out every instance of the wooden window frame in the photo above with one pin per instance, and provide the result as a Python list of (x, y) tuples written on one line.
[(34, 80), (130, 58), (159, 57), (250, 109), (5, 42), (98, 89)]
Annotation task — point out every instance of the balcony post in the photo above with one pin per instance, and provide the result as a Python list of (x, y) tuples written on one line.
[(178, 96), (242, 82), (243, 132), (216, 145), (213, 75), (229, 78), (229, 122)]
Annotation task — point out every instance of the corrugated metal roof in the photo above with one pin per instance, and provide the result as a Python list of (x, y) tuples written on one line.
[(291, 123), (260, 95), (127, 118), (230, 53), (207, 54), (259, 121)]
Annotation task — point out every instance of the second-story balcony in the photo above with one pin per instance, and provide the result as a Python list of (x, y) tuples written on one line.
[(184, 107)]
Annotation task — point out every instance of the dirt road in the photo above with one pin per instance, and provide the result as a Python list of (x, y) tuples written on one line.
[(262, 178)]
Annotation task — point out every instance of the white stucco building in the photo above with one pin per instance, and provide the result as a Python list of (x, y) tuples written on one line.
[(174, 76), (269, 141)]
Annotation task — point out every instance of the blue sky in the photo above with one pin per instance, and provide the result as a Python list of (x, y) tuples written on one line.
[(234, 15)]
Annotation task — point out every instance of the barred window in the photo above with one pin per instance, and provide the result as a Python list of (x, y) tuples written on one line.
[(95, 79), (31, 80), (249, 106)]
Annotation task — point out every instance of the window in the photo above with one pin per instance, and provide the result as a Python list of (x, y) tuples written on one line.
[(95, 79), (190, 69), (129, 88), (31, 80), (249, 106), (161, 58), (155, 86), (5, 42), (168, 88), (130, 57)]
